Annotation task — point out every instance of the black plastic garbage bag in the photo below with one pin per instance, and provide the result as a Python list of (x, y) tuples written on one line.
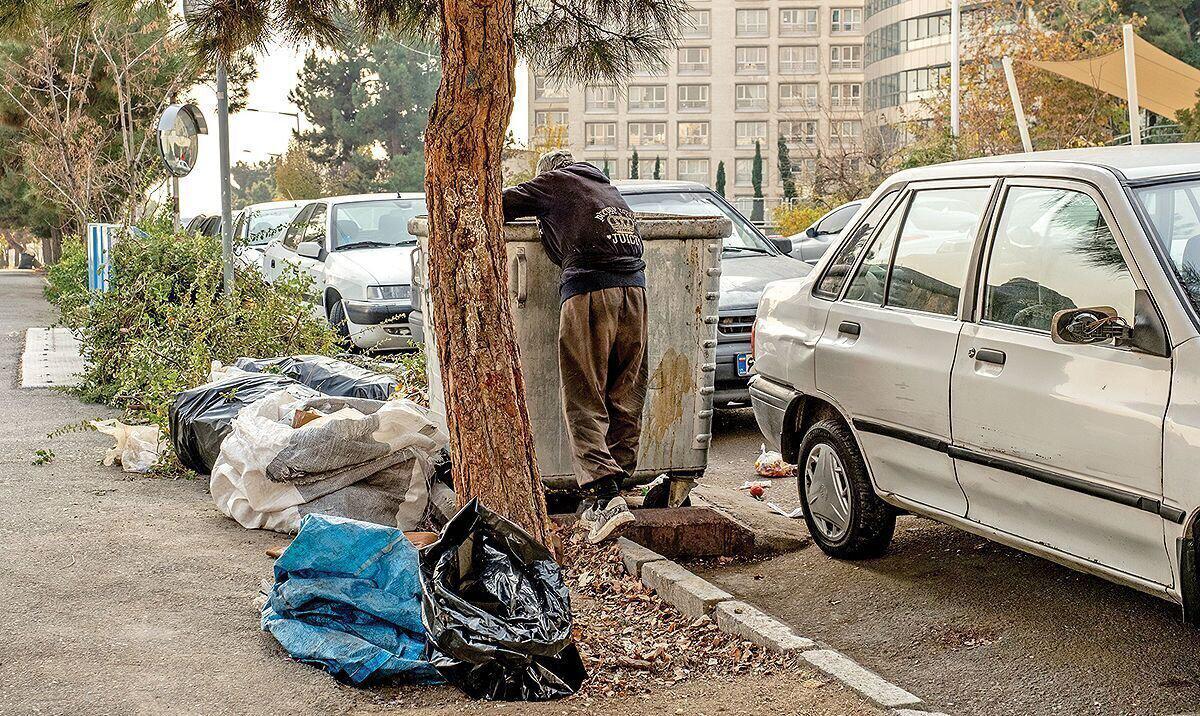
[(201, 417), (497, 611), (326, 375)]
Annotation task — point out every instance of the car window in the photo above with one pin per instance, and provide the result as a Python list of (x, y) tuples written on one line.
[(263, 226), (375, 222), (700, 203), (1053, 251), (871, 276), (835, 274), (314, 227), (836, 220), (296, 229), (934, 248), (1174, 209)]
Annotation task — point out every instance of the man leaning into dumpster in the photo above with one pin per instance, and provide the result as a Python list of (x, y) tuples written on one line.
[(589, 231)]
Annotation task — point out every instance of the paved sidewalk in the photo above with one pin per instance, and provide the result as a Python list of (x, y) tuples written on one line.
[(51, 358)]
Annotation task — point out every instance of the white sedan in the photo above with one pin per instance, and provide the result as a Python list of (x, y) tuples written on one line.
[(357, 250)]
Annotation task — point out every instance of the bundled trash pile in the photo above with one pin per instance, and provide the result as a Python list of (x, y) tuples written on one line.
[(485, 607), (317, 437)]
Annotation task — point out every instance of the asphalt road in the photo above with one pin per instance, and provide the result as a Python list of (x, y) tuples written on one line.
[(970, 626)]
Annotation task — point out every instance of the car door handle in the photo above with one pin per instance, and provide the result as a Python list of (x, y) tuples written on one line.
[(850, 328), (990, 355)]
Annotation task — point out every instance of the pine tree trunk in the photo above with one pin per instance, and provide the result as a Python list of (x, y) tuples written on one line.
[(491, 442)]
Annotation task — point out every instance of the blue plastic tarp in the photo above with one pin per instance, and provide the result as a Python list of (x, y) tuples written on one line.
[(347, 597)]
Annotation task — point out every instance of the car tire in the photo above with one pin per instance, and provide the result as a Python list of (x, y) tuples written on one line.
[(845, 517), (337, 319)]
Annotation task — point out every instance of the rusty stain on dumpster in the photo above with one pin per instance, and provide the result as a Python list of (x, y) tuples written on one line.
[(672, 381)]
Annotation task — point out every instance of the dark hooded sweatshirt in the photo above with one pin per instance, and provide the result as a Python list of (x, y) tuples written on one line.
[(587, 228)]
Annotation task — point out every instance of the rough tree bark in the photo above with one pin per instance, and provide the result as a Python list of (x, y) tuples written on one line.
[(491, 442)]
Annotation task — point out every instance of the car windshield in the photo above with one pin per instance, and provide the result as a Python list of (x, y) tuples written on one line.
[(265, 225), (377, 222), (1174, 209), (699, 203)]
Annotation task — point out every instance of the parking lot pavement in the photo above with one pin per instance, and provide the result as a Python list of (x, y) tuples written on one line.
[(970, 626)]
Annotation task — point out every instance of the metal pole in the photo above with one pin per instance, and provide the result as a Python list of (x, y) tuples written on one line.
[(1016, 101), (955, 21), (1131, 90), (226, 195), (175, 222)]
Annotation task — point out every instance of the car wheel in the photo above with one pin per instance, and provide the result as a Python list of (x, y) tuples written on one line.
[(845, 517), (337, 319)]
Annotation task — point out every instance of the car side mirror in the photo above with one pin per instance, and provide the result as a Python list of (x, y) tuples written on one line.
[(1094, 324), (784, 245), (811, 232), (309, 249)]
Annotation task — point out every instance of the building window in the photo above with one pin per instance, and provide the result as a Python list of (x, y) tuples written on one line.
[(693, 98), (799, 21), (693, 135), (646, 169), (845, 19), (692, 170), (693, 61), (544, 118), (648, 134), (805, 166), (751, 98), (799, 132), (697, 25), (749, 132), (846, 130), (799, 60), (750, 61), (545, 88), (600, 135), (600, 98), (798, 95), (903, 87), (845, 96), (844, 58), (647, 98), (912, 34), (606, 165), (751, 23), (743, 170)]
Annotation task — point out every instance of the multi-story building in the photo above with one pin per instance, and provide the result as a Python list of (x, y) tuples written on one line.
[(906, 56), (745, 71)]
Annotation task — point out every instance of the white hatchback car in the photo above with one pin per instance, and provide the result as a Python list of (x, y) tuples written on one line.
[(1010, 346), (358, 252)]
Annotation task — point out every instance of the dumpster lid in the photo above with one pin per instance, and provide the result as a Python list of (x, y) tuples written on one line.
[(651, 226)]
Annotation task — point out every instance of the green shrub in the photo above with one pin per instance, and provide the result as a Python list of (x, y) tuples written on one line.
[(67, 278), (164, 320)]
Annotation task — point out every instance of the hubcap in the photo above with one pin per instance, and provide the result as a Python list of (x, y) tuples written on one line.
[(827, 492)]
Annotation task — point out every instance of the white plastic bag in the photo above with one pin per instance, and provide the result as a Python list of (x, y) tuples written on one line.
[(771, 464), (138, 446)]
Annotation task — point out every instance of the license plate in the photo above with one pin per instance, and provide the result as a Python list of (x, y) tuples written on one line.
[(744, 363)]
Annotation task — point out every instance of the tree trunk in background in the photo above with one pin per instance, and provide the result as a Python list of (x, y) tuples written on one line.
[(491, 441)]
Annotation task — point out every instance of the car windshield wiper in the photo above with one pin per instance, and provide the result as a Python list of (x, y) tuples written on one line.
[(365, 245), (752, 249)]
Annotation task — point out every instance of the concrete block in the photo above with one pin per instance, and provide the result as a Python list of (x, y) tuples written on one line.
[(689, 532), (690, 594), (633, 555), (865, 682), (747, 622)]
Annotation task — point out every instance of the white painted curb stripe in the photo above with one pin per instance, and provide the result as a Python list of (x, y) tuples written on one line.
[(865, 682)]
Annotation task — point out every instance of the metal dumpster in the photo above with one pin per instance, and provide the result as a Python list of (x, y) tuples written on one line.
[(683, 269)]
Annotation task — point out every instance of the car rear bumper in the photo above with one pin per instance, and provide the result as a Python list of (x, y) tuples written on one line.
[(771, 401)]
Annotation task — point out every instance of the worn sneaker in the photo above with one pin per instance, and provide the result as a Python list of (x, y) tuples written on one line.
[(586, 512), (607, 520)]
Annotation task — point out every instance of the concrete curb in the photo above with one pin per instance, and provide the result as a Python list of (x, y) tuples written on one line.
[(697, 597)]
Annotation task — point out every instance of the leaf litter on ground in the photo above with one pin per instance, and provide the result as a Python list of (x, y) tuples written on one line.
[(634, 643)]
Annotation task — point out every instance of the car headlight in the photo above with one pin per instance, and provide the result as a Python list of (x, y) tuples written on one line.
[(398, 292)]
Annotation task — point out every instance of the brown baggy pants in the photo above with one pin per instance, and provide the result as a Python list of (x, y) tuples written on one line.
[(602, 362)]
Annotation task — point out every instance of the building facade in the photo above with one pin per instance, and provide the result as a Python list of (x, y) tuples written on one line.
[(906, 56), (746, 71)]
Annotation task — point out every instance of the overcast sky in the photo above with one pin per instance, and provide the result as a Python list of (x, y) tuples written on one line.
[(255, 136)]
